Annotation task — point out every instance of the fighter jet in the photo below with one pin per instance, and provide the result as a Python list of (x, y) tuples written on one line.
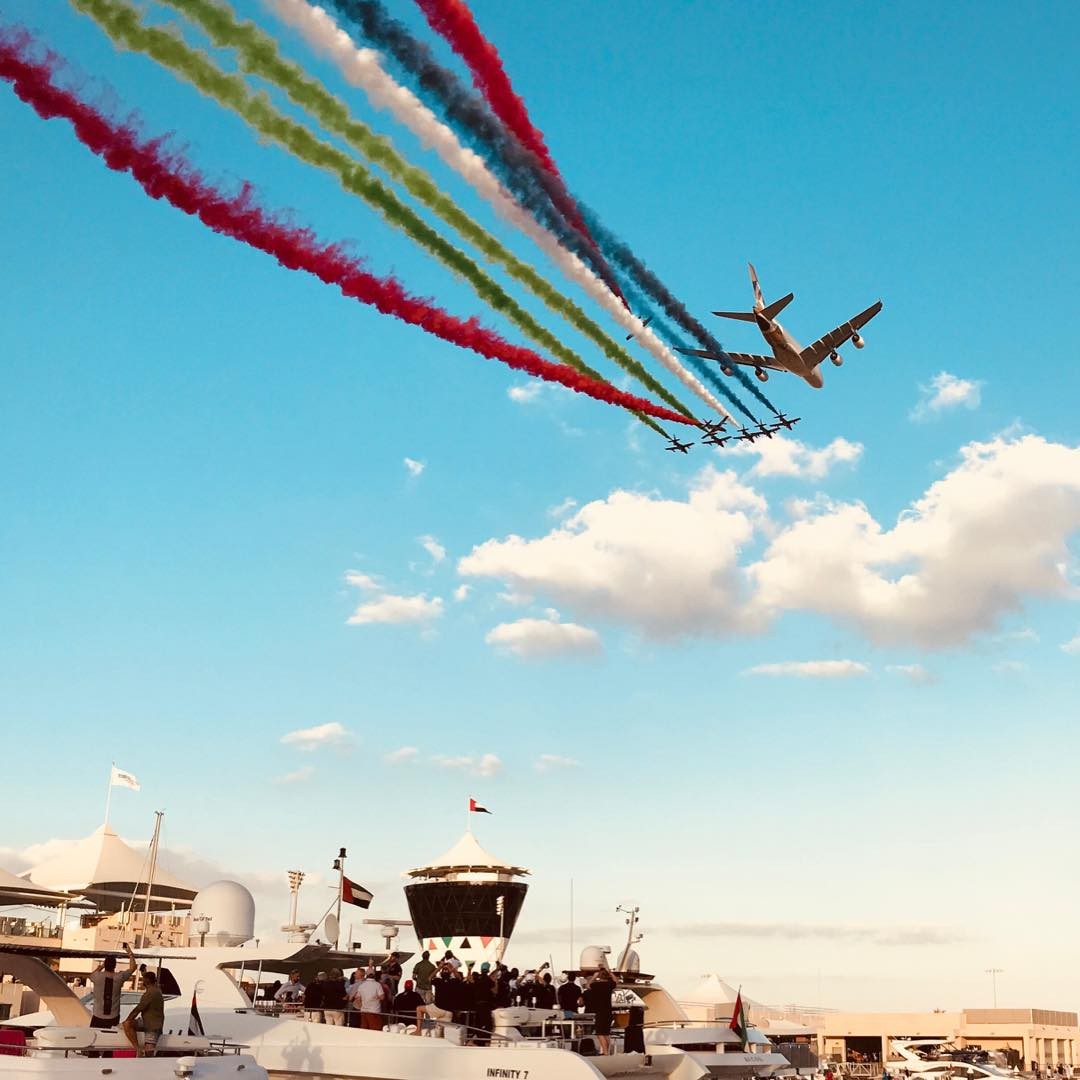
[(644, 323), (748, 436), (678, 447), (784, 421), (787, 353), (714, 427), (713, 438), (764, 429)]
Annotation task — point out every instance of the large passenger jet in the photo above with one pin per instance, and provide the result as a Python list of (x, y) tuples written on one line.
[(787, 354)]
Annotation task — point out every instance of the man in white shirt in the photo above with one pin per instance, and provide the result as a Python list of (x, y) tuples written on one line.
[(293, 990), (369, 994)]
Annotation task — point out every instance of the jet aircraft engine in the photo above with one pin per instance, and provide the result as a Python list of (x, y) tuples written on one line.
[(836, 358), (763, 376), (857, 341), (727, 371)]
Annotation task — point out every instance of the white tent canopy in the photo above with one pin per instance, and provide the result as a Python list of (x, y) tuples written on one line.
[(18, 892), (712, 990), (107, 871), (466, 855)]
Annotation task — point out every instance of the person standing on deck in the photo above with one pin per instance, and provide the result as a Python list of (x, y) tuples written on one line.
[(107, 988)]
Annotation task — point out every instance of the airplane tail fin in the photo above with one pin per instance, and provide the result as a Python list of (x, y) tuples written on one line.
[(769, 312), (759, 300), (777, 306)]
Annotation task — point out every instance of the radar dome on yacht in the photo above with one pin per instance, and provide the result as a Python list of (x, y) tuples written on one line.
[(632, 961), (231, 911), (592, 956)]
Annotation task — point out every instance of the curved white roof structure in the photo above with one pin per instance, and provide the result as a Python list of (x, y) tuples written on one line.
[(107, 871), (712, 990), (467, 856), (17, 891)]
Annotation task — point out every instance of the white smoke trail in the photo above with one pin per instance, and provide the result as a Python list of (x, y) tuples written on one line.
[(363, 69)]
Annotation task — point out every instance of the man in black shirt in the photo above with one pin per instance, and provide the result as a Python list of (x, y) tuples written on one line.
[(569, 997), (406, 1003), (544, 993)]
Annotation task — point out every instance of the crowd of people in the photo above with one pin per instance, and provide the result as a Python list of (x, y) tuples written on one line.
[(446, 991)]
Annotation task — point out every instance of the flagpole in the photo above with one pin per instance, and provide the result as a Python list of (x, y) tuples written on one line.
[(108, 794), (341, 889)]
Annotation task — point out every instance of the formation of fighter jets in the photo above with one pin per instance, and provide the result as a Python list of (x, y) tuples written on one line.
[(787, 355), (716, 433)]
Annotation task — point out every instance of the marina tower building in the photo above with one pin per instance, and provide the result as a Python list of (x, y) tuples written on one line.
[(467, 901)]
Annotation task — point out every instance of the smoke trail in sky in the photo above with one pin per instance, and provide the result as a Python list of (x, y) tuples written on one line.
[(362, 68), (442, 89), (623, 256), (165, 174), (259, 56), (517, 167), (123, 24), (455, 23)]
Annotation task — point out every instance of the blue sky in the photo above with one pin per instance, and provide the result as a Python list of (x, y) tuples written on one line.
[(198, 446)]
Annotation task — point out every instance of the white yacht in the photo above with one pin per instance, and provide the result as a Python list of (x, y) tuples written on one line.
[(926, 1058)]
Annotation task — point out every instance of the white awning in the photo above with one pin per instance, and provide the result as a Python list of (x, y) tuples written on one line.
[(106, 870)]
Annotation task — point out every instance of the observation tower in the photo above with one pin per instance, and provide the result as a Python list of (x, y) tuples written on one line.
[(467, 901)]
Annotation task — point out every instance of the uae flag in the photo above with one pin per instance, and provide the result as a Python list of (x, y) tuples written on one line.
[(351, 893), (476, 808), (194, 1024), (738, 1021)]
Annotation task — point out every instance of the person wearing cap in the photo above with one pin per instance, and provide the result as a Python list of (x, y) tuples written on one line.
[(406, 1003)]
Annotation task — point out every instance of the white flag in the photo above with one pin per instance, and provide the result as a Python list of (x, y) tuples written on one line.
[(120, 778)]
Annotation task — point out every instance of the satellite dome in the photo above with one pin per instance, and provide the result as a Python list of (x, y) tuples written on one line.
[(594, 957), (231, 911)]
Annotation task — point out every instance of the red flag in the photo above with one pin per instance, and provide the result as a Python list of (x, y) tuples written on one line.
[(476, 808), (738, 1021), (352, 893)]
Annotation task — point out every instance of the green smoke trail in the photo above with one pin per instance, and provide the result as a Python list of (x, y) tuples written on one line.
[(124, 25), (259, 55)]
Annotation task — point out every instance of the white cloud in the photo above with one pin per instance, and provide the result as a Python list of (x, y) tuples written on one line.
[(915, 674), (785, 456), (315, 738), (1072, 647), (300, 776), (812, 669), (946, 392), (484, 765), (397, 609), (563, 508), (525, 392), (1026, 633), (461, 593), (546, 762), (667, 567), (536, 639), (401, 755), (361, 581), (969, 551), (414, 467), (433, 548)]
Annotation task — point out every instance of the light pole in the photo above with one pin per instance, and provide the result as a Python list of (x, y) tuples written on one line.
[(994, 973), (201, 926)]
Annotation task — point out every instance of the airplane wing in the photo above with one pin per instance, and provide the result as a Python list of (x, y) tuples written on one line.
[(835, 338), (748, 359)]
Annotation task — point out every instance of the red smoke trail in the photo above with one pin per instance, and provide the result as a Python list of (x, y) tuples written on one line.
[(164, 174), (453, 21)]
